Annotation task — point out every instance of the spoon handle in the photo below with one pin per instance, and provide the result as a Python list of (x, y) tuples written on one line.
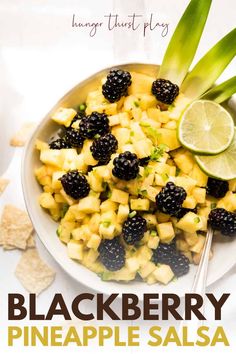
[(199, 284)]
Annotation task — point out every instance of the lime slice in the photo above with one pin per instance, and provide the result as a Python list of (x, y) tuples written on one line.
[(206, 128), (222, 166)]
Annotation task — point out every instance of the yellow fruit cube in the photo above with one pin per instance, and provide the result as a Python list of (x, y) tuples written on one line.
[(197, 248), (123, 212), (139, 204), (190, 222), (163, 274), (107, 230), (184, 160), (147, 269), (132, 264), (75, 250), (64, 116), (191, 239), (141, 83), (89, 205), (166, 232), (119, 196), (189, 202), (56, 184), (47, 201), (199, 194), (153, 242), (199, 176), (143, 148), (94, 241), (169, 138), (51, 157)]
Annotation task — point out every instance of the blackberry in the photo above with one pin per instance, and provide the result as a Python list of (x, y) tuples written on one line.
[(74, 138), (112, 254), (223, 221), (95, 123), (116, 85), (217, 188), (184, 211), (170, 199), (133, 229), (165, 91), (167, 254), (104, 147), (59, 144), (75, 184), (126, 166), (144, 161)]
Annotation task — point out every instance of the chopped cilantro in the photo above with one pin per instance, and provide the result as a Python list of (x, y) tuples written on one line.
[(197, 220), (213, 205), (131, 133), (97, 136), (136, 104), (64, 209), (158, 152), (178, 170), (82, 107), (153, 233), (165, 177), (144, 124), (106, 223)]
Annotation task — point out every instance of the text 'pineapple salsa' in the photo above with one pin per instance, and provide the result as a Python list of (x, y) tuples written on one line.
[(130, 199)]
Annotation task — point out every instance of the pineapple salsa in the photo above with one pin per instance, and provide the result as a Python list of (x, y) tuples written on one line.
[(130, 200)]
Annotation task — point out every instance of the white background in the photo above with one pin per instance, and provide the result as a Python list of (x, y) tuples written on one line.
[(41, 57)]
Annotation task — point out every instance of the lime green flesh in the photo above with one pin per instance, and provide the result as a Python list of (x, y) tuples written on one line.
[(206, 128), (222, 166)]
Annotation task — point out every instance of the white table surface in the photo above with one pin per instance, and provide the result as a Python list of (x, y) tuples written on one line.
[(41, 57)]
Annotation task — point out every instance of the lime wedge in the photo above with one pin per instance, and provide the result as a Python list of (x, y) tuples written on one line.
[(222, 166), (206, 128)]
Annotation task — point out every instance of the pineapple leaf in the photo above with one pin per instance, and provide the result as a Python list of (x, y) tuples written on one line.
[(222, 92), (184, 42), (210, 67)]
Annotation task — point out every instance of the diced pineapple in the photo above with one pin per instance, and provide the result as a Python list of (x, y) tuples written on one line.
[(124, 120), (82, 233), (119, 196), (151, 279), (184, 160), (75, 250), (47, 201), (172, 124), (91, 256), (107, 230), (64, 116), (153, 242), (69, 158), (139, 204), (59, 198), (80, 163), (140, 83), (67, 198), (147, 269), (197, 248), (145, 100), (228, 202), (95, 181), (108, 216), (123, 212), (136, 132), (122, 135), (157, 115), (162, 218), (94, 241), (132, 264), (56, 184), (41, 145), (232, 185), (182, 245), (151, 219), (51, 157), (127, 147), (199, 176), (191, 238), (89, 205), (163, 274), (114, 120), (186, 182), (190, 202), (143, 148), (166, 232), (143, 254), (169, 138), (87, 154), (108, 205), (190, 222), (65, 229), (152, 193), (199, 194), (130, 102), (94, 222)]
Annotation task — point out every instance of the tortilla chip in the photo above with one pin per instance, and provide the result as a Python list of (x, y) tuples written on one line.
[(15, 228), (20, 138), (31, 242), (33, 273), (3, 184)]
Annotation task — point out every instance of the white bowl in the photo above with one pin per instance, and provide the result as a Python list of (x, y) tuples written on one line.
[(224, 248)]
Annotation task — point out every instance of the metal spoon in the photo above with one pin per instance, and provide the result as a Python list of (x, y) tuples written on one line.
[(199, 284)]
